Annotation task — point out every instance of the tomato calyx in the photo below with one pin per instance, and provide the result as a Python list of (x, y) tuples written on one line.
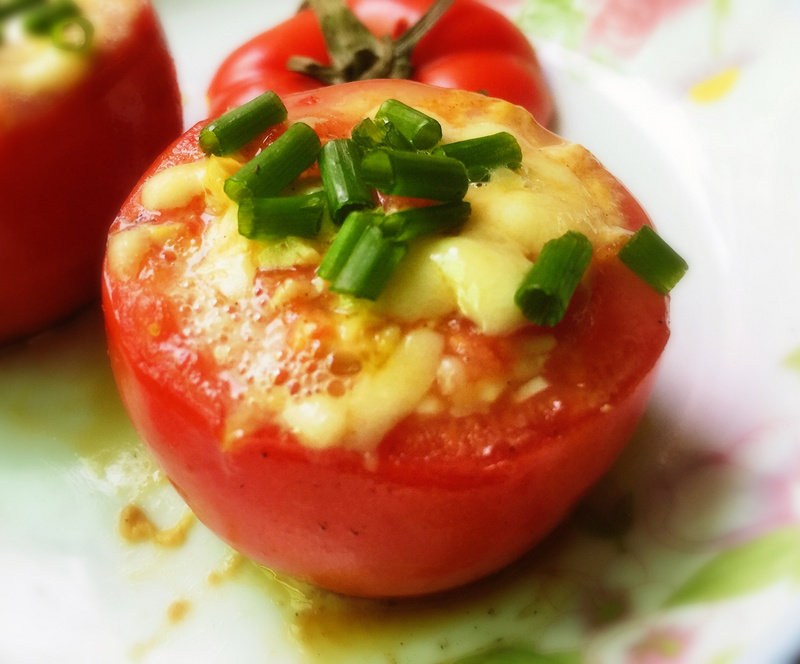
[(355, 53)]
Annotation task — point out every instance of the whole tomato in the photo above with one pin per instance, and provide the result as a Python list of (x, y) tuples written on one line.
[(77, 128), (258, 389), (470, 47)]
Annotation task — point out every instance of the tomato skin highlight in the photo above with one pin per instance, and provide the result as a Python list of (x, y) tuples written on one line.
[(469, 48), (66, 168), (443, 500)]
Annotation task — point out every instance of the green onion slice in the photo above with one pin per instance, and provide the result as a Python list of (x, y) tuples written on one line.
[(41, 19), (482, 155), (371, 135), (345, 241), (361, 260), (419, 129), (73, 34), (368, 135), (276, 166), (278, 217), (545, 292), (369, 266), (653, 260), (339, 162), (415, 174), (236, 128), (412, 223)]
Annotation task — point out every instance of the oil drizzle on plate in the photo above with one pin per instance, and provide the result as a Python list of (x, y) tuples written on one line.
[(136, 526), (78, 419)]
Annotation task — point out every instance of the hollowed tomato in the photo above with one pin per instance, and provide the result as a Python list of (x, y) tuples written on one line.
[(218, 361)]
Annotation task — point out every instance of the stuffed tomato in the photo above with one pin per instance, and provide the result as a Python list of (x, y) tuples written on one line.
[(88, 98), (403, 431), (466, 45)]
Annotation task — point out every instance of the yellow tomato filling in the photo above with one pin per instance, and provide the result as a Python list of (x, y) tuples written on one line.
[(348, 375)]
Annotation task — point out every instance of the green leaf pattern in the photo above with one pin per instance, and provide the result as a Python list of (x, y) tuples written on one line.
[(746, 568), (560, 20), (792, 360)]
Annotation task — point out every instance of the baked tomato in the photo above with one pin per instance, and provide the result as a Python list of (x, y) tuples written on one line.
[(85, 105), (397, 445), (470, 47)]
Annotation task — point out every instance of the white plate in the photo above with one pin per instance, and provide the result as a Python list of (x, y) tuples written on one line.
[(693, 104)]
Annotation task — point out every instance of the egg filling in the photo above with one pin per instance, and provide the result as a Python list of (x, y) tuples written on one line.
[(336, 370)]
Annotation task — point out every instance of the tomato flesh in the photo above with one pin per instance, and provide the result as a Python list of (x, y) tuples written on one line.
[(443, 499), (66, 167)]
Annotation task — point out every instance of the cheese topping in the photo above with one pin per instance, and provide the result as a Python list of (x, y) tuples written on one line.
[(177, 186), (334, 370), (483, 277), (127, 251), (376, 401)]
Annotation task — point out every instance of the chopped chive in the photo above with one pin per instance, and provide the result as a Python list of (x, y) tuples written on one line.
[(482, 155), (73, 34), (368, 135), (276, 166), (371, 135), (393, 139), (653, 260), (41, 19), (547, 289), (415, 174), (360, 260), (281, 216), (239, 126), (412, 223), (14, 6), (345, 241), (339, 162), (419, 129), (369, 266)]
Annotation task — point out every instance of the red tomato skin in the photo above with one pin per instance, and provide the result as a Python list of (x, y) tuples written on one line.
[(492, 73), (65, 171), (499, 50), (260, 64), (417, 537), (467, 25), (449, 500)]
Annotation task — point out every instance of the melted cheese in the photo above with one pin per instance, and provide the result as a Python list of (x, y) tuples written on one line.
[(227, 259), (174, 187), (420, 290), (513, 216), (483, 277), (128, 249), (349, 377), (377, 401)]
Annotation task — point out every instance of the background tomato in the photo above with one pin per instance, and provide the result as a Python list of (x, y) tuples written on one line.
[(442, 500), (67, 161), (471, 47)]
